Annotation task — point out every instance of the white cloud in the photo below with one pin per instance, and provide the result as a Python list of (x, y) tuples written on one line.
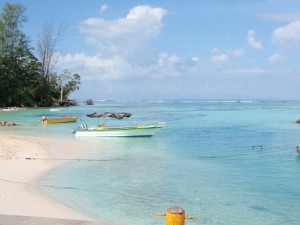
[(235, 52), (146, 13), (103, 8), (124, 36), (96, 67), (288, 36), (215, 51), (252, 41), (275, 58), (165, 60), (281, 17), (220, 58), (195, 59), (167, 66), (246, 71), (115, 68)]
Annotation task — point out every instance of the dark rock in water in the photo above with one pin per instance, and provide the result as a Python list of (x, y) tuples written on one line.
[(7, 124), (119, 115), (298, 121), (92, 115), (98, 115), (68, 102)]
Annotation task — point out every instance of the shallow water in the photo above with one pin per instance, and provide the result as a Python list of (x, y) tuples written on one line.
[(223, 162)]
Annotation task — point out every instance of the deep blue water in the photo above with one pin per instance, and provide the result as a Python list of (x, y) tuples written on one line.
[(223, 162)]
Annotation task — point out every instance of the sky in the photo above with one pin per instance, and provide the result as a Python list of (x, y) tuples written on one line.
[(165, 50)]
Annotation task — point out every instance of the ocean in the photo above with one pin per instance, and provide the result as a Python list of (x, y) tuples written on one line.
[(225, 162)]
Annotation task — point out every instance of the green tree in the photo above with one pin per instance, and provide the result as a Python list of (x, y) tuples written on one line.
[(67, 83), (25, 80), (18, 66), (11, 35)]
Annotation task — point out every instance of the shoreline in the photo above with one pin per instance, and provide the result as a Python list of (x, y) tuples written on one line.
[(19, 174)]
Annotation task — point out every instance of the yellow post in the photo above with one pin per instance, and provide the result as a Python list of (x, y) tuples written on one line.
[(175, 216)]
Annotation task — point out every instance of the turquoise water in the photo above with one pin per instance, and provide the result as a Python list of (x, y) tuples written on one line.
[(223, 162)]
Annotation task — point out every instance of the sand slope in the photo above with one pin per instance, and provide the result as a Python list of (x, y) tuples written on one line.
[(19, 194)]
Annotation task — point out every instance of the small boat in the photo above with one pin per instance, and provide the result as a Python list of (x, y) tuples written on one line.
[(66, 119), (57, 109), (10, 109), (127, 131)]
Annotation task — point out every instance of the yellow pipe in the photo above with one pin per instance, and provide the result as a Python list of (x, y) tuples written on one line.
[(175, 216)]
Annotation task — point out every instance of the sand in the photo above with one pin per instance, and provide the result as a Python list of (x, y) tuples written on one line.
[(19, 192)]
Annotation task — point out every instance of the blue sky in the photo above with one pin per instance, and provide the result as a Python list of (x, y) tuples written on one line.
[(157, 50)]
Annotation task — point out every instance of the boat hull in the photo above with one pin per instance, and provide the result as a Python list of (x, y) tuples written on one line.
[(139, 131), (67, 119), (57, 109)]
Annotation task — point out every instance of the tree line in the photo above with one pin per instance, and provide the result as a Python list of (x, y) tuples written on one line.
[(27, 79)]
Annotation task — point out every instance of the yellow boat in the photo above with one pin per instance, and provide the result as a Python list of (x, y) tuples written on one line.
[(66, 119)]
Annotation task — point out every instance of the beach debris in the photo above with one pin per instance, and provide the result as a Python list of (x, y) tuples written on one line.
[(7, 124), (118, 115)]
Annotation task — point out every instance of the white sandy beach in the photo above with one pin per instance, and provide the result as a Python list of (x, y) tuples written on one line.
[(19, 194)]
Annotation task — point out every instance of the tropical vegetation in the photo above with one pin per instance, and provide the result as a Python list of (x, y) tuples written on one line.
[(27, 79)]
